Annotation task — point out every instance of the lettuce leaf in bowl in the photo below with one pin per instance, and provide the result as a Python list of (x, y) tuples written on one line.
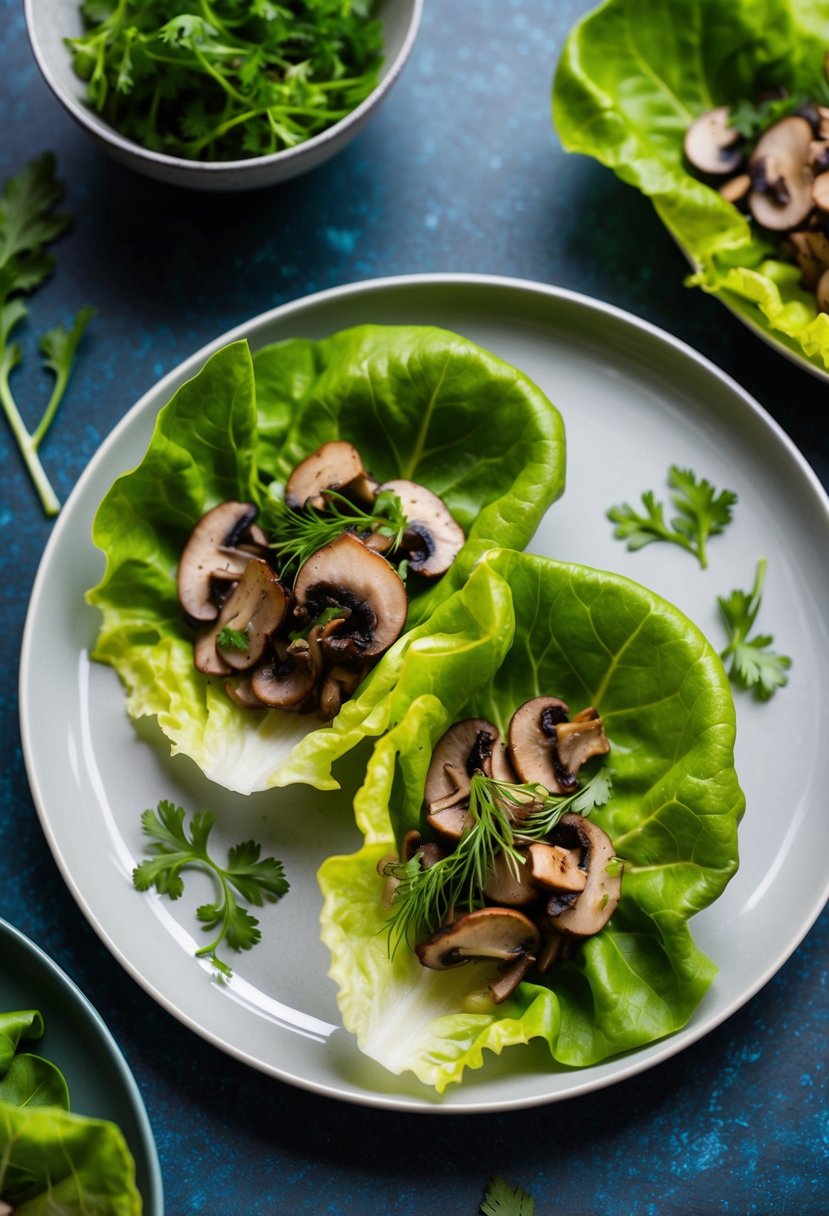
[(417, 402), (632, 77), (591, 638)]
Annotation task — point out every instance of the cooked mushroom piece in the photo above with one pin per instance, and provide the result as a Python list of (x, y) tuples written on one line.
[(554, 867), (219, 547), (810, 249), (432, 539), (598, 901), (345, 574), (822, 292), (497, 933), (255, 610), (288, 678), (531, 742), (735, 189), (712, 146), (578, 741), (338, 685), (241, 693), (462, 750), (781, 194), (509, 882), (331, 467)]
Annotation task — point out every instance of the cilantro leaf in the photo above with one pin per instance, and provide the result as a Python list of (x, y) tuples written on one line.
[(254, 878), (753, 665), (28, 222), (502, 1199), (701, 514), (232, 639)]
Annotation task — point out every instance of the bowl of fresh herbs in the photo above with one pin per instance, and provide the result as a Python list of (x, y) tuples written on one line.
[(222, 94)]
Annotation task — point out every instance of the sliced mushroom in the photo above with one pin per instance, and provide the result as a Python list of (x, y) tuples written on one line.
[(554, 867), (345, 574), (331, 467), (598, 901), (781, 194), (822, 292), (219, 547), (242, 694), (578, 741), (466, 747), (531, 742), (509, 882), (433, 539), (820, 192), (712, 145), (288, 678), (505, 984), (338, 685), (736, 189), (449, 822), (255, 609), (498, 933), (810, 249)]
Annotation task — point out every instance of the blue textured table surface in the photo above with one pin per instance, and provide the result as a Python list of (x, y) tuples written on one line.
[(460, 171)]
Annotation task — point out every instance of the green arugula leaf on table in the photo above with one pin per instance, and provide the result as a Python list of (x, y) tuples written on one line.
[(701, 514), (502, 1199), (28, 223), (255, 879), (751, 664)]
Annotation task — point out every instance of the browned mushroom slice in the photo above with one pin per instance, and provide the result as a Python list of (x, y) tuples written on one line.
[(331, 467), (256, 609), (433, 539), (578, 741), (338, 685), (497, 933), (822, 292), (553, 866), (810, 249), (531, 742), (466, 748), (505, 984), (219, 547), (509, 882), (712, 145), (820, 191), (598, 901), (736, 189), (781, 194), (241, 693), (345, 574), (288, 678)]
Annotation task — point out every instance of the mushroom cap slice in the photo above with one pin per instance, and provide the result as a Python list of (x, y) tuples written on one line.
[(331, 467), (556, 868), (782, 179), (464, 748), (345, 574), (213, 552), (286, 681), (711, 144), (498, 933), (257, 608), (509, 882), (810, 249), (598, 901), (531, 743), (433, 539), (578, 741)]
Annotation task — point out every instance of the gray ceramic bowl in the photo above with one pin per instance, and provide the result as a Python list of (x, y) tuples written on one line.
[(50, 21)]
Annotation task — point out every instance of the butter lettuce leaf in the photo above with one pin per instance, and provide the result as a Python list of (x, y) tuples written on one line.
[(592, 638), (633, 75), (418, 402)]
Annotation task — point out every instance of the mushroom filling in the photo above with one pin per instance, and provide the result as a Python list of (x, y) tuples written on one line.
[(772, 161), (507, 865), (294, 613)]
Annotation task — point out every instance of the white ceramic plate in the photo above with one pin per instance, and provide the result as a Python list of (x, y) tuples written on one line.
[(77, 1040), (634, 401)]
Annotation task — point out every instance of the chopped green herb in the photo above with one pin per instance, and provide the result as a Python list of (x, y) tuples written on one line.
[(255, 879), (230, 79), (702, 513), (424, 897), (28, 223), (232, 639), (502, 1199), (296, 535), (752, 120), (751, 664)]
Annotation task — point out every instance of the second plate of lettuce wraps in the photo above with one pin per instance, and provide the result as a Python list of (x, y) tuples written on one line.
[(543, 599)]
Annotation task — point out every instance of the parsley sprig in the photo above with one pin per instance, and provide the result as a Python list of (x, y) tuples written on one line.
[(255, 879), (28, 224), (751, 664), (496, 815), (226, 79), (702, 512), (296, 535)]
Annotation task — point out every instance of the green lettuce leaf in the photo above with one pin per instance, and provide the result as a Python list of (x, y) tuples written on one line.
[(594, 639), (53, 1163), (634, 74), (418, 402)]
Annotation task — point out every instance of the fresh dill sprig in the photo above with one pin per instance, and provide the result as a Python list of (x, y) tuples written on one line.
[(496, 818), (297, 535)]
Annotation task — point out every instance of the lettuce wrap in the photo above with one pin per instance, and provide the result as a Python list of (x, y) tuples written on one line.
[(592, 638), (632, 77), (419, 403)]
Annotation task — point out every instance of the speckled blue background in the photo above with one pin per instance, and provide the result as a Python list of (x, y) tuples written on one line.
[(460, 171)]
